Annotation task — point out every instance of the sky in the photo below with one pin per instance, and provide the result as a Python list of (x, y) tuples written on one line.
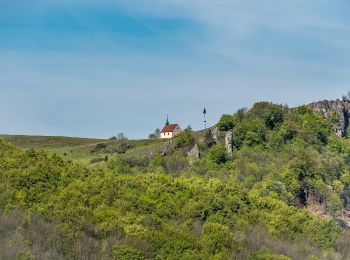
[(95, 68)]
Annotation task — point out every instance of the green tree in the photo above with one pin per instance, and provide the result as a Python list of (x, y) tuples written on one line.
[(270, 113), (250, 132), (216, 238), (185, 139), (125, 252), (157, 133), (226, 122)]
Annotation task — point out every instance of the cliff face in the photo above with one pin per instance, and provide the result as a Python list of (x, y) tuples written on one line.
[(338, 110)]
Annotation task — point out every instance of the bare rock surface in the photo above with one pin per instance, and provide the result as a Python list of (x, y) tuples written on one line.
[(167, 147), (216, 134), (194, 152), (229, 142)]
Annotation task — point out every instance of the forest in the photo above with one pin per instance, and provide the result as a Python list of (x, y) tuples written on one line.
[(283, 193)]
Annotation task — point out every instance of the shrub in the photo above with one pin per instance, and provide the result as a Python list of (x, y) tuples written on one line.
[(97, 160), (99, 148), (175, 163), (218, 154), (125, 252), (265, 254), (185, 139), (216, 238)]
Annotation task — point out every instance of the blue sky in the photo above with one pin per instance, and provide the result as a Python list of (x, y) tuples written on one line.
[(95, 68)]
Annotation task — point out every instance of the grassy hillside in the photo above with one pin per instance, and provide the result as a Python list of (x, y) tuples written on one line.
[(84, 149), (281, 193)]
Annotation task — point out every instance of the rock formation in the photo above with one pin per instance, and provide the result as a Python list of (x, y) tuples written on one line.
[(167, 147), (335, 107), (194, 155), (228, 142), (216, 134), (194, 152)]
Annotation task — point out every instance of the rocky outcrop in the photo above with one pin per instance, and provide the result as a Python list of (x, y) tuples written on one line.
[(338, 110), (229, 142), (167, 147), (343, 223), (194, 152), (194, 155), (216, 134)]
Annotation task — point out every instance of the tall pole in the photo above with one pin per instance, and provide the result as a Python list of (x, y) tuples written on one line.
[(205, 120)]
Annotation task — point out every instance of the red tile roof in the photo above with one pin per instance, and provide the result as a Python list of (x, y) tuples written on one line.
[(169, 128)]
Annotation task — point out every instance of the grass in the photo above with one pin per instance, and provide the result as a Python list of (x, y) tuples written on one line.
[(82, 149), (48, 142)]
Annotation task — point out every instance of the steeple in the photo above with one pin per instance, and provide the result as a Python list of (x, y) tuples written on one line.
[(167, 120)]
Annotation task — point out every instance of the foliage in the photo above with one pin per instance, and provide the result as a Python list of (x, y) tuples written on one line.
[(249, 132), (226, 122), (185, 139), (257, 204), (125, 252), (218, 154), (271, 114), (209, 138), (307, 126)]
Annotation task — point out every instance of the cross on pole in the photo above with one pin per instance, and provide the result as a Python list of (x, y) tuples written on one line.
[(205, 120)]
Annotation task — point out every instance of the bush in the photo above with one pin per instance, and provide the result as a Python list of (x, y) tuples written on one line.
[(99, 148), (125, 252), (265, 254), (98, 159), (216, 238), (175, 163), (185, 139), (218, 154)]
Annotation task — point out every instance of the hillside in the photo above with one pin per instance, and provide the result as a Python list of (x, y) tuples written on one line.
[(265, 183), (87, 150)]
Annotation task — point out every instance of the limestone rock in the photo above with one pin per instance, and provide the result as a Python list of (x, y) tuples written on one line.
[(167, 147), (194, 152), (216, 134), (229, 142)]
